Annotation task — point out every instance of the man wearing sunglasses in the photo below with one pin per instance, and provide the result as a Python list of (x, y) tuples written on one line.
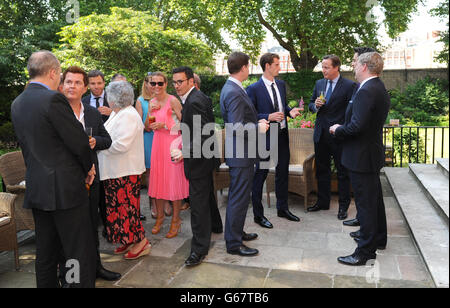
[(205, 216)]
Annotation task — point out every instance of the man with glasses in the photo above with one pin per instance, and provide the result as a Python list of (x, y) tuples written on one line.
[(205, 216)]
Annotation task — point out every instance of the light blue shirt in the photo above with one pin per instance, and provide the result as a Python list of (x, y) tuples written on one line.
[(40, 83), (100, 101)]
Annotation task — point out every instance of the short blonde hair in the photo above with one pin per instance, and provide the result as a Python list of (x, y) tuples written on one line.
[(374, 62)]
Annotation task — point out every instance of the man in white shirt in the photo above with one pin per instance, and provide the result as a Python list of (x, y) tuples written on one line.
[(268, 95)]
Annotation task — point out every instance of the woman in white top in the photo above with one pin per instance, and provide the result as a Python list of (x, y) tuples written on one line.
[(120, 168)]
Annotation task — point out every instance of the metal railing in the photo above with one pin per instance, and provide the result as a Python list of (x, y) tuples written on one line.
[(415, 144)]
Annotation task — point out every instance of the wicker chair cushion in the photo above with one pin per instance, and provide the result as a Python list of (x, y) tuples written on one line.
[(4, 221), (293, 170)]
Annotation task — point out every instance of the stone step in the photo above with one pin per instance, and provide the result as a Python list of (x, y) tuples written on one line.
[(442, 164), (434, 185), (429, 230)]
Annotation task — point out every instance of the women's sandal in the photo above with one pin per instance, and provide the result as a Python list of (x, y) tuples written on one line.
[(143, 252), (123, 249)]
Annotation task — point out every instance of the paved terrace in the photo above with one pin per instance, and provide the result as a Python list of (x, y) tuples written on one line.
[(291, 255)]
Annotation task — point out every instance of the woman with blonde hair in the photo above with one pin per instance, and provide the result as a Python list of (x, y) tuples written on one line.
[(167, 180)]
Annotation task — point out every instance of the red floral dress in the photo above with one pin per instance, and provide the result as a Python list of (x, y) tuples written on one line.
[(123, 224)]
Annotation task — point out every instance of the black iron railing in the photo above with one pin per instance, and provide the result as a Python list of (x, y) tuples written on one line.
[(415, 144)]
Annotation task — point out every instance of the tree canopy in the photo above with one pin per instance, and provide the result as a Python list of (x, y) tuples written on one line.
[(442, 12), (130, 42)]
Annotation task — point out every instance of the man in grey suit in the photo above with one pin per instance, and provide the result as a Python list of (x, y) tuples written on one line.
[(239, 113)]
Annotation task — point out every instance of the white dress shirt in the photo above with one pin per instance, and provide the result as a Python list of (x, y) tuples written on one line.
[(81, 118), (126, 156), (268, 85), (185, 96), (236, 82)]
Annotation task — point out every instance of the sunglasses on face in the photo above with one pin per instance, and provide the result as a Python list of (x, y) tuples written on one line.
[(160, 84)]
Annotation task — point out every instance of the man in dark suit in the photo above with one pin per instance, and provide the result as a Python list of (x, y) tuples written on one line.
[(97, 99), (358, 51), (363, 155), (330, 99), (75, 82), (59, 163), (241, 128), (205, 216), (269, 98)]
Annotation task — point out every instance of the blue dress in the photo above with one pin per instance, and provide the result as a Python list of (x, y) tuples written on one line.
[(148, 136)]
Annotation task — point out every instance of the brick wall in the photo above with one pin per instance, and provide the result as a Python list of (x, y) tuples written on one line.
[(401, 78)]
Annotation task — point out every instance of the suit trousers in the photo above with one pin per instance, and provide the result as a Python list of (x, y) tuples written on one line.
[(102, 203), (238, 200), (69, 231), (205, 215), (371, 212), (281, 178), (326, 147)]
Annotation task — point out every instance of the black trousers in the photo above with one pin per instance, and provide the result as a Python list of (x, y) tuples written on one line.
[(371, 212), (281, 178), (69, 231), (326, 148), (205, 214)]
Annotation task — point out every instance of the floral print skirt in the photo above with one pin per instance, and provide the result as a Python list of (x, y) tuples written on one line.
[(123, 224)]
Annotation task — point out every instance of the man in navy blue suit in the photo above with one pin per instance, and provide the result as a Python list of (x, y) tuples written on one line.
[(269, 98), (363, 155), (239, 113), (336, 92)]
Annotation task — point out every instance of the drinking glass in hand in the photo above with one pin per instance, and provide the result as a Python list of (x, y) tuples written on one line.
[(88, 131)]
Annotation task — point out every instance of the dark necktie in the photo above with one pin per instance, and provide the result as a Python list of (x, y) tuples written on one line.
[(329, 92), (275, 99), (97, 101)]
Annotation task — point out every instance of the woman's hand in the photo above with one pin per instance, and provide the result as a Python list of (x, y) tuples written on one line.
[(157, 125)]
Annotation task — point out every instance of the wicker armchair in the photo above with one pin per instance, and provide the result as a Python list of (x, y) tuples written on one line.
[(12, 171), (302, 175), (8, 234), (222, 175)]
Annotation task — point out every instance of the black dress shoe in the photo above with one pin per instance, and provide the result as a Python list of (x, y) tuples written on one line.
[(107, 275), (249, 236), (263, 222), (317, 208), (342, 214), (143, 218), (354, 260), (243, 251), (379, 247), (194, 259), (288, 215), (352, 223), (355, 234)]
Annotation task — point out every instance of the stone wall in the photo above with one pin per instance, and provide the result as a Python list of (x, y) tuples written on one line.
[(401, 78)]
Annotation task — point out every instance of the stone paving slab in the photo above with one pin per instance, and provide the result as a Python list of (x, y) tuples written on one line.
[(292, 255), (429, 231)]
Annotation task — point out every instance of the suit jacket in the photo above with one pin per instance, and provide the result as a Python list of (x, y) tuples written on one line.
[(238, 110), (87, 101), (93, 118), (55, 149), (334, 110), (263, 103), (198, 104), (362, 131)]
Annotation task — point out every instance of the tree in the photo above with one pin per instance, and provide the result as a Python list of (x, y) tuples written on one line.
[(130, 42), (309, 29), (442, 12)]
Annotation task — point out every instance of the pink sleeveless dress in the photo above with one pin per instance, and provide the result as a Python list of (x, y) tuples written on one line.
[(167, 180)]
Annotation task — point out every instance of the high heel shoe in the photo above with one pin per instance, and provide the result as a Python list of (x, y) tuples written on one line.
[(144, 251), (175, 227), (123, 249), (158, 225)]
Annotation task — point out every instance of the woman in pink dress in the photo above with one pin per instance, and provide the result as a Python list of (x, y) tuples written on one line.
[(167, 180)]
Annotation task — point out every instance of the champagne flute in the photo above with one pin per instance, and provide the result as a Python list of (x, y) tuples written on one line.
[(88, 131)]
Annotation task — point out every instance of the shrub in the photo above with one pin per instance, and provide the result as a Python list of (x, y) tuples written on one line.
[(406, 147)]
